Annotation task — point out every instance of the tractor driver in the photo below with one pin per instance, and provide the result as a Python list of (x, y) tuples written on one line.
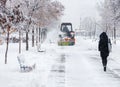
[(65, 29)]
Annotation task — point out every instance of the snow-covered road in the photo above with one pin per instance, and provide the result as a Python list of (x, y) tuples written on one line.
[(83, 68), (61, 66)]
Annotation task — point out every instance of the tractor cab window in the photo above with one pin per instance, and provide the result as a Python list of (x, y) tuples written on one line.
[(66, 28)]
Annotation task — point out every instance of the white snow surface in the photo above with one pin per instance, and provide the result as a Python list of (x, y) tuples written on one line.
[(81, 65)]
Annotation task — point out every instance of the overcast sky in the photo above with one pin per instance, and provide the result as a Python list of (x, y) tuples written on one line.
[(76, 9)]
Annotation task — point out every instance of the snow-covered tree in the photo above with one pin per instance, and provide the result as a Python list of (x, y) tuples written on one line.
[(24, 14), (88, 24), (48, 12), (3, 2), (110, 13), (38, 13), (8, 20)]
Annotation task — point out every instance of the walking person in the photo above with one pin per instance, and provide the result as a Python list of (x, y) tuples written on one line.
[(103, 48)]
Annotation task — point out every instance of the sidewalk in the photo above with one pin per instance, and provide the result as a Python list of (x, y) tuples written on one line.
[(81, 69)]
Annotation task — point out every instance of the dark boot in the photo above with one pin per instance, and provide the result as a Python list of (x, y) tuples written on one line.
[(105, 68)]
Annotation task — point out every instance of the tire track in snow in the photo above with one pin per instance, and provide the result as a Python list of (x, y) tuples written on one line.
[(57, 75)]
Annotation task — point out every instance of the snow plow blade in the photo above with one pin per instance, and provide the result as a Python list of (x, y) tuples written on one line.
[(63, 43)]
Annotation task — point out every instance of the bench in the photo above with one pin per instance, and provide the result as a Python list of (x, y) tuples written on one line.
[(24, 67)]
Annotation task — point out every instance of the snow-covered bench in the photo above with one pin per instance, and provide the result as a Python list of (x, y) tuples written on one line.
[(25, 67)]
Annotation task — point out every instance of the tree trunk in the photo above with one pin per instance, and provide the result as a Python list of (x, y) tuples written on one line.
[(94, 31), (40, 38), (7, 45), (27, 47), (90, 33), (114, 34), (39, 34), (36, 36), (19, 41), (32, 37)]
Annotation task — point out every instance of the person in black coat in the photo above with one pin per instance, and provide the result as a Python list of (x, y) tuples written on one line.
[(103, 48)]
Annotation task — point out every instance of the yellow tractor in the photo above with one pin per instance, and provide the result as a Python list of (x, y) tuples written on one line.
[(67, 35)]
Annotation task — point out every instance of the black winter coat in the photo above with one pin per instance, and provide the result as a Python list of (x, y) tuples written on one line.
[(103, 43)]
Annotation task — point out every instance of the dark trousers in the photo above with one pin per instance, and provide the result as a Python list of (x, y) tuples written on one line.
[(104, 56)]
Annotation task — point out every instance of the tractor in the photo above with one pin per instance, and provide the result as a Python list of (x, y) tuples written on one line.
[(67, 35)]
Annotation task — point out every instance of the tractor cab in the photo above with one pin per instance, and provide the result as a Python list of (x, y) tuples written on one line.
[(67, 35), (67, 29)]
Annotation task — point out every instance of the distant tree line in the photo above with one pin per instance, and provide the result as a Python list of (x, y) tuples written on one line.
[(109, 11)]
